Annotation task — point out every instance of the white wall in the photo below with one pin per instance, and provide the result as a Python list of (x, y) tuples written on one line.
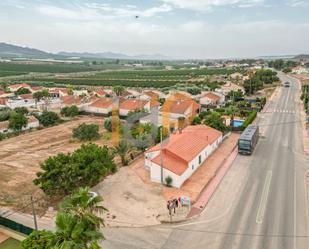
[(92, 109), (21, 103), (155, 169)]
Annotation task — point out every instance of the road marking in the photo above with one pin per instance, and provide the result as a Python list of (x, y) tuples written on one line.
[(262, 206)]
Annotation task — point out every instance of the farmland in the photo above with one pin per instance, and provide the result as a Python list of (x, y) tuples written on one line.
[(139, 78)]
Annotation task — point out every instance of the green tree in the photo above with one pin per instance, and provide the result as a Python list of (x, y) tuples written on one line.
[(86, 132), (119, 90), (64, 173), (122, 149), (197, 120), (215, 121), (70, 89), (48, 118), (22, 91), (23, 110), (69, 111), (37, 240), (17, 121)]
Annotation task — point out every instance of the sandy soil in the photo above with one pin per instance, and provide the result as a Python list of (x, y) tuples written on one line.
[(131, 202), (21, 156)]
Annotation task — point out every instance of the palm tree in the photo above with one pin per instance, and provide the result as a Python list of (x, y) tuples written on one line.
[(85, 206), (122, 149), (73, 233)]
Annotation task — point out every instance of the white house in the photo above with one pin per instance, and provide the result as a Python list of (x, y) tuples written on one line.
[(130, 105), (212, 99), (23, 100), (32, 124), (100, 106), (182, 153), (300, 70)]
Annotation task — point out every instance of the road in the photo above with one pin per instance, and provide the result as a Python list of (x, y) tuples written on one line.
[(261, 203)]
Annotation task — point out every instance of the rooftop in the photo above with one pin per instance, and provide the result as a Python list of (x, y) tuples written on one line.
[(133, 104)]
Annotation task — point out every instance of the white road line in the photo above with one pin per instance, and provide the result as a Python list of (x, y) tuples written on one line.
[(263, 202)]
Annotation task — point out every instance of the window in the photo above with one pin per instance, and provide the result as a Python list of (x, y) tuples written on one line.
[(199, 159), (192, 166)]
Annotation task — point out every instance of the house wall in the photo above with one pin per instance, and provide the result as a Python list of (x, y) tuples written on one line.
[(193, 165), (32, 125), (92, 109), (21, 103)]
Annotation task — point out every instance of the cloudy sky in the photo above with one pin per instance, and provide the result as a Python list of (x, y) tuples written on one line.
[(176, 28)]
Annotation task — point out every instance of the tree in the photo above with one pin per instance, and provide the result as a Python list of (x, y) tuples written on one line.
[(122, 149), (84, 206), (4, 86), (69, 111), (168, 181), (108, 124), (23, 110), (197, 120), (215, 121), (64, 173), (70, 89), (48, 118), (119, 90), (22, 91), (85, 132), (17, 121), (37, 240)]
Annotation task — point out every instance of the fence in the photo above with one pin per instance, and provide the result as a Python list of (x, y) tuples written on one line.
[(17, 227)]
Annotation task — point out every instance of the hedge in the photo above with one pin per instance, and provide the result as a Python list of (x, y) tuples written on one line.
[(250, 119)]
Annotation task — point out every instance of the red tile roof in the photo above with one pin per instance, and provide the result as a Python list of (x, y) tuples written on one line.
[(2, 92), (3, 101), (154, 103), (102, 103), (19, 85), (212, 96), (71, 100), (152, 94), (133, 104), (181, 148), (26, 96), (179, 106), (100, 92), (36, 88)]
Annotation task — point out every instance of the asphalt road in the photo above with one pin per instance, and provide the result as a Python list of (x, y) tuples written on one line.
[(262, 201)]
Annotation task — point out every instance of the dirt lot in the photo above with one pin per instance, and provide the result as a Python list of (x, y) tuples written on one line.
[(21, 156)]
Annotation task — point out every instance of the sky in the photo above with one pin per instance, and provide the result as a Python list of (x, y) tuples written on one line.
[(188, 29)]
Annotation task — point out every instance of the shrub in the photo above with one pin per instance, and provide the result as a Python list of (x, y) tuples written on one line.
[(17, 121), (64, 173), (168, 181), (48, 118), (85, 132), (69, 111), (22, 110), (250, 119), (108, 124), (197, 120), (37, 240)]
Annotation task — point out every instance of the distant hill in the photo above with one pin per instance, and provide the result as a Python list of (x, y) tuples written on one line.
[(111, 55), (12, 51), (302, 57)]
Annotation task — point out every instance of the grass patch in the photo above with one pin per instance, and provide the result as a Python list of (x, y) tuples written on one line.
[(10, 244)]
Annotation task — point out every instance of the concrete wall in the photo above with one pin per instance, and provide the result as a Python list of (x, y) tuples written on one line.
[(96, 110)]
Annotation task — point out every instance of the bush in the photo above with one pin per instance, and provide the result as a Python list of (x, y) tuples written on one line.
[(85, 132), (69, 111), (168, 181), (197, 120), (37, 240), (48, 118), (64, 173), (22, 110), (108, 124), (17, 121), (250, 119), (22, 91)]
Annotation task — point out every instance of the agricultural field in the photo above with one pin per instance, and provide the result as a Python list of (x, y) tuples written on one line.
[(20, 159), (140, 78), (10, 244)]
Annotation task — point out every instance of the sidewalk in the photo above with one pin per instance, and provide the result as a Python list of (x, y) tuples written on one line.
[(202, 177)]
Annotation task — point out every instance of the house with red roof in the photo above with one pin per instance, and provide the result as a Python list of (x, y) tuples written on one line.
[(211, 99), (175, 108), (15, 87), (130, 105), (182, 153), (100, 106)]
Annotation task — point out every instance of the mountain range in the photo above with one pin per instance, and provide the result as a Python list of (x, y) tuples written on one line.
[(13, 51)]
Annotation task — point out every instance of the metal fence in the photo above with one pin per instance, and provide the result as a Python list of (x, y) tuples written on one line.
[(17, 227)]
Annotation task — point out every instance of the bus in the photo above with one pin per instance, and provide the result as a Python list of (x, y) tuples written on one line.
[(248, 140)]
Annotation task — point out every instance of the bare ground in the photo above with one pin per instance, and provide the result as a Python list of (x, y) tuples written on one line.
[(20, 159)]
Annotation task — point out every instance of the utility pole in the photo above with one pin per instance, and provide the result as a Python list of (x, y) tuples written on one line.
[(34, 214), (161, 156)]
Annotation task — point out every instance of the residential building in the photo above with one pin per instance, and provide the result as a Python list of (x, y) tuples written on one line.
[(211, 99), (228, 87), (129, 105), (182, 153), (101, 106), (24, 100), (15, 87)]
